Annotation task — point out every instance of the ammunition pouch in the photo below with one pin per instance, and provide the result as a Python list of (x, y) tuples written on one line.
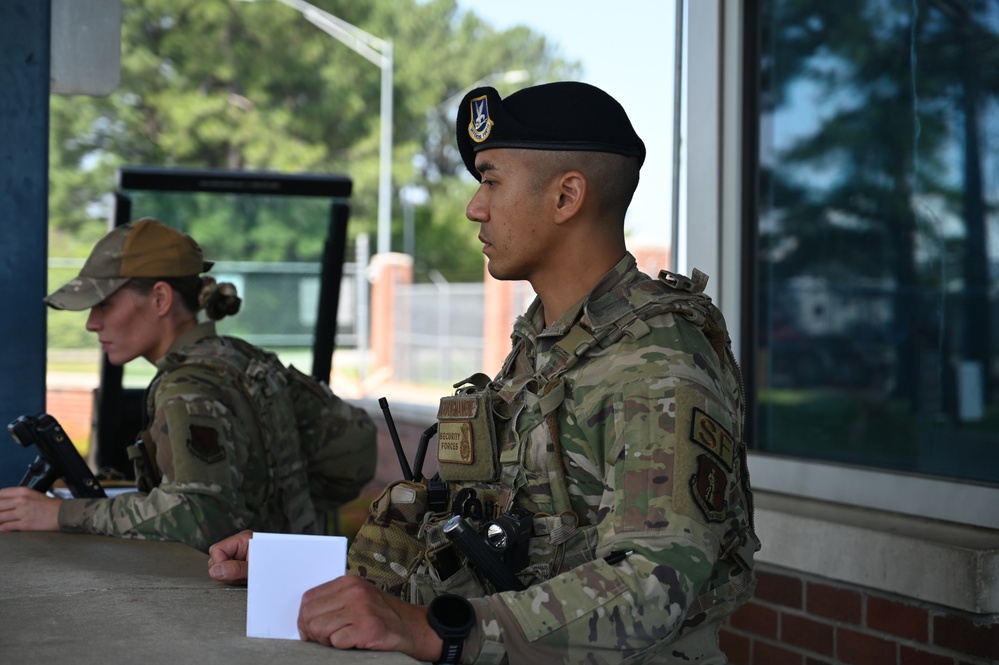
[(466, 436), (387, 547)]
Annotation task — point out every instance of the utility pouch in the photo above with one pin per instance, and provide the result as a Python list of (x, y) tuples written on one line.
[(387, 547), (466, 436), (428, 584), (143, 456)]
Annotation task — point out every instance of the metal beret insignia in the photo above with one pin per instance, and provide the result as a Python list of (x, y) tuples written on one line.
[(481, 124)]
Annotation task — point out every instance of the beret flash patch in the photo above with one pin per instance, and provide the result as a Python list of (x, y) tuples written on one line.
[(203, 443), (481, 124)]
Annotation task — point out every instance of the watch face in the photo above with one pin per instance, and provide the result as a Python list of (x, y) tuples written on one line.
[(451, 614), (452, 618)]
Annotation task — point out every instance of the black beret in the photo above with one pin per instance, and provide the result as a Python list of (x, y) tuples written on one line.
[(566, 115)]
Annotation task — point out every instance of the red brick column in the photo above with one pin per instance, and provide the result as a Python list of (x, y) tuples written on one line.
[(389, 271), (497, 323)]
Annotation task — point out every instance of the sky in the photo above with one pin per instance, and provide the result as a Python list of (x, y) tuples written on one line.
[(626, 48)]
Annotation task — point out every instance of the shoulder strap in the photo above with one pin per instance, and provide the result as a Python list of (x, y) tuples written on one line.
[(628, 313)]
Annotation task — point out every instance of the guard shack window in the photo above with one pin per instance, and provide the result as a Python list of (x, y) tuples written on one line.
[(874, 235)]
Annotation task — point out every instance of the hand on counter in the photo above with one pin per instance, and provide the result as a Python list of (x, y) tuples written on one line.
[(24, 509), (351, 613)]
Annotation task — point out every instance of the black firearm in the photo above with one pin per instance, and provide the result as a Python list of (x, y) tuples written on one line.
[(57, 457)]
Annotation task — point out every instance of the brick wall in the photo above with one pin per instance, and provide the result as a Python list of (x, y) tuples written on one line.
[(797, 619)]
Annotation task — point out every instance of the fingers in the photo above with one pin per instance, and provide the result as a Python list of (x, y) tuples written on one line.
[(233, 547), (228, 558), (230, 572)]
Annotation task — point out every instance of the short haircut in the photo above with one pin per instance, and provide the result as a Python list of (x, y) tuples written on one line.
[(612, 178)]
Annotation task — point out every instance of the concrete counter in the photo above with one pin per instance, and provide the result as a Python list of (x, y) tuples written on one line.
[(99, 600)]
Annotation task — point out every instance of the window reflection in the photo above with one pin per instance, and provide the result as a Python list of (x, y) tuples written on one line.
[(879, 192)]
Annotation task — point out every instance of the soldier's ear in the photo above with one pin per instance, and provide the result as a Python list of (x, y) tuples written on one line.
[(571, 194), (162, 296)]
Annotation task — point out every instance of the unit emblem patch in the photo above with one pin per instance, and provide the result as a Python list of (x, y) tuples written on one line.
[(203, 443), (708, 486)]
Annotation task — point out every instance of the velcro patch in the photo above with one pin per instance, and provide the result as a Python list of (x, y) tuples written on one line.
[(457, 407), (712, 436), (454, 442), (709, 487), (203, 443)]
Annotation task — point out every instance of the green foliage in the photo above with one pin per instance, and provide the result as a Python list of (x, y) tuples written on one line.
[(225, 84)]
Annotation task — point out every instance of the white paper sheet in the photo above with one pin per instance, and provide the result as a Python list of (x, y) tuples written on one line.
[(281, 568)]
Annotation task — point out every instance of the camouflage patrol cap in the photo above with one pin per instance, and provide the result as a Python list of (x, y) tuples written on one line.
[(565, 115), (146, 248)]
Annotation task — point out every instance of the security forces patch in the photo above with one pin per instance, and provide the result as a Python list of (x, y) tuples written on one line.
[(709, 487), (203, 443), (481, 124), (454, 442), (711, 435)]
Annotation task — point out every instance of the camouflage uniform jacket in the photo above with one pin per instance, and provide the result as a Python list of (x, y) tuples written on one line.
[(647, 427), (222, 469)]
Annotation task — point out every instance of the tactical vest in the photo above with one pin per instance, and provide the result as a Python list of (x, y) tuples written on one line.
[(261, 379), (403, 547)]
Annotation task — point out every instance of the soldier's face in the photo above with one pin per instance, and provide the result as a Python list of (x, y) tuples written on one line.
[(125, 325), (515, 227)]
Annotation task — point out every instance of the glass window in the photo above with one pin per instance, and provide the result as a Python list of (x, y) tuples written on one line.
[(878, 194)]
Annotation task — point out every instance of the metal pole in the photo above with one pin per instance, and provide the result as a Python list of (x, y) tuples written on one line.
[(378, 52), (363, 309), (385, 155), (677, 136)]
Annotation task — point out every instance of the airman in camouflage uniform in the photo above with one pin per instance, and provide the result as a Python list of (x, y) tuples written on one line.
[(613, 432), (226, 462), (221, 450)]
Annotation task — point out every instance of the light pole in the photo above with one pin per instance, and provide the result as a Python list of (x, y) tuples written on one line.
[(378, 52)]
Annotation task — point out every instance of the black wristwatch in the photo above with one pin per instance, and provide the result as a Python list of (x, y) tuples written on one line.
[(451, 617)]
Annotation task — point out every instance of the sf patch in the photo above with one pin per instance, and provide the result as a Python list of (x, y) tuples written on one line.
[(203, 443), (712, 436), (705, 452), (709, 484)]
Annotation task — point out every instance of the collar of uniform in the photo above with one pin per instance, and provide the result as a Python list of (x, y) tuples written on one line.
[(617, 276), (188, 337)]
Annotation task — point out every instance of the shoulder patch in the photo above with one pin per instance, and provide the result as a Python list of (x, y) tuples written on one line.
[(712, 436), (709, 485), (203, 443)]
